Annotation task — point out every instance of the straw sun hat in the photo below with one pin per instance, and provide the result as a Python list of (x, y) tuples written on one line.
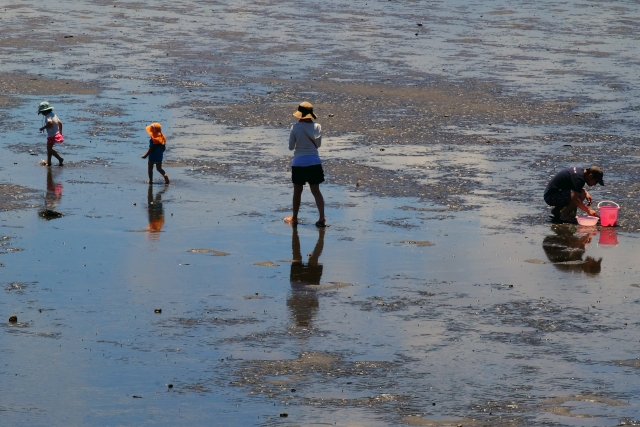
[(305, 111)]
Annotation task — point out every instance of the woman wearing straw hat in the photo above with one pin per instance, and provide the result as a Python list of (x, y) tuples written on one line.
[(304, 140), (53, 126)]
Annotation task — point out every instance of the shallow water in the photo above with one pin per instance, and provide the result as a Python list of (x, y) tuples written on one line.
[(481, 321), (439, 295)]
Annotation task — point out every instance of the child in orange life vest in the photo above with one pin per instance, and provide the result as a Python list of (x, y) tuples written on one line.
[(156, 149)]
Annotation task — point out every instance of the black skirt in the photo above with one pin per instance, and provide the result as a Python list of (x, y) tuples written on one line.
[(307, 174)]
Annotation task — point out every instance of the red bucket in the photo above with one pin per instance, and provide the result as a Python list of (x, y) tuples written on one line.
[(608, 237), (608, 214)]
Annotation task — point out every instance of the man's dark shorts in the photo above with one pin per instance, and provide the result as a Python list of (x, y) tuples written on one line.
[(558, 198)]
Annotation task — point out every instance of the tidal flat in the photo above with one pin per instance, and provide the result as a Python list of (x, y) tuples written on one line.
[(439, 295)]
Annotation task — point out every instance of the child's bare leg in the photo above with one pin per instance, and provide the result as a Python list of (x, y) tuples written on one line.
[(54, 153), (49, 154), (315, 190), (162, 172), (150, 173)]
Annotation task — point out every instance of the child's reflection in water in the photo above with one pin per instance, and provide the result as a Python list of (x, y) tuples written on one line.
[(566, 248), (54, 192), (303, 301), (156, 212)]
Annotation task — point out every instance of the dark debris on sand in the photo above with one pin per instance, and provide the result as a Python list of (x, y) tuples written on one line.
[(375, 180), (28, 84), (385, 113), (16, 197), (49, 214)]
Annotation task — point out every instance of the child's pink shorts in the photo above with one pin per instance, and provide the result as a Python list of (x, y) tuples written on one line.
[(56, 139)]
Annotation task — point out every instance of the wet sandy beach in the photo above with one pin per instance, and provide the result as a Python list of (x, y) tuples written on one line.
[(440, 294)]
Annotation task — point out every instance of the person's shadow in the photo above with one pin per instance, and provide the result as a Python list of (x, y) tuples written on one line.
[(566, 248), (305, 277), (156, 212)]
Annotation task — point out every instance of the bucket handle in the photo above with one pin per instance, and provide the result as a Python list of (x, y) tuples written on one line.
[(608, 201)]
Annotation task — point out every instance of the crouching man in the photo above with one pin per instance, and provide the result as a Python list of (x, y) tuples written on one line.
[(565, 192)]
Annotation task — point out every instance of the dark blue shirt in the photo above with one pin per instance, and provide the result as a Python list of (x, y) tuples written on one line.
[(567, 179), (155, 155)]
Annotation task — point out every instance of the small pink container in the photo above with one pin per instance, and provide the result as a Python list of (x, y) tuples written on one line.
[(608, 214)]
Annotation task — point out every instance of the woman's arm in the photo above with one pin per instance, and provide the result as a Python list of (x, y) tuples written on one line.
[(318, 139), (292, 140)]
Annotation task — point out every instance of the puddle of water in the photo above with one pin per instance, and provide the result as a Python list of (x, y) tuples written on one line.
[(429, 315)]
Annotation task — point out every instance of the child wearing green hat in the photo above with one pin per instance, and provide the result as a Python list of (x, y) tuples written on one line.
[(53, 126)]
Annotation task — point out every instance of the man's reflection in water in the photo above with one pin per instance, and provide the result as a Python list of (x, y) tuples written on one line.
[(54, 192), (567, 246), (156, 212), (303, 301)]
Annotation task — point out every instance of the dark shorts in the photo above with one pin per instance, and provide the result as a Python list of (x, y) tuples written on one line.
[(558, 198), (303, 174)]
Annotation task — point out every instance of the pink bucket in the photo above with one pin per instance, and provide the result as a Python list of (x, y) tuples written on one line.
[(608, 237), (608, 214)]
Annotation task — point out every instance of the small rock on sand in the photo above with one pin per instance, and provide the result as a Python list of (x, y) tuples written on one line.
[(266, 264), (208, 251), (422, 243)]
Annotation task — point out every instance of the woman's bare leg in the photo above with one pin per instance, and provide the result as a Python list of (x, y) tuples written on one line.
[(297, 198), (315, 190)]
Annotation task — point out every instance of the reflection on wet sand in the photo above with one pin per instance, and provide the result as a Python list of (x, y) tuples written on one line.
[(51, 198), (567, 246), (54, 191), (608, 237), (303, 301), (156, 212)]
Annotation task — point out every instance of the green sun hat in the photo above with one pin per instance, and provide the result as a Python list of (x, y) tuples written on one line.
[(44, 106)]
